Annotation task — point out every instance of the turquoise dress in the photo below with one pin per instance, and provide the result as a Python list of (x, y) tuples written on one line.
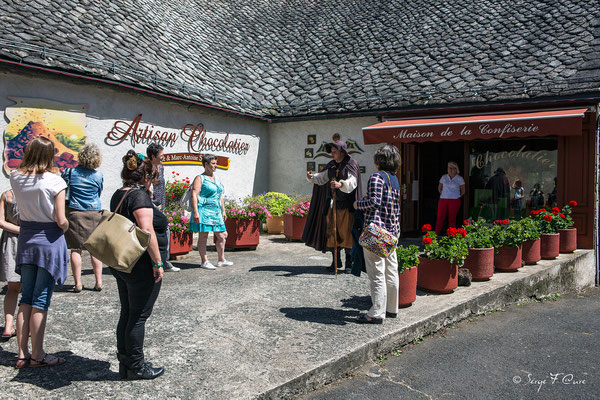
[(209, 207)]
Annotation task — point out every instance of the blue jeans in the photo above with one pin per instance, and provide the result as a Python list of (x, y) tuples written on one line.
[(37, 286)]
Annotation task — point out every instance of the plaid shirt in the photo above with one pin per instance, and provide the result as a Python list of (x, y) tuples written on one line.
[(381, 205)]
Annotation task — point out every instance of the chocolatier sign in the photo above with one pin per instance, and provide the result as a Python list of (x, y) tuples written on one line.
[(500, 126)]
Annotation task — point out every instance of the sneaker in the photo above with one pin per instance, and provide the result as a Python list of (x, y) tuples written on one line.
[(207, 265), (170, 267), (224, 263)]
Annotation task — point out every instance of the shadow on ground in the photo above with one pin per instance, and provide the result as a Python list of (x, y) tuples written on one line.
[(320, 315), (293, 270)]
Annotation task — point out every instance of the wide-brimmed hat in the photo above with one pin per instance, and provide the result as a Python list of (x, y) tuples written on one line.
[(499, 169), (338, 144)]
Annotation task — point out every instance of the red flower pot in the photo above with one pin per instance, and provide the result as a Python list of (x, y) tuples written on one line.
[(242, 233), (275, 224), (407, 287), (180, 243), (568, 240), (531, 251), (508, 259), (437, 276), (550, 245), (481, 263), (293, 226)]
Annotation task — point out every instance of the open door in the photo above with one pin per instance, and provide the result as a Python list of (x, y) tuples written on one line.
[(409, 183)]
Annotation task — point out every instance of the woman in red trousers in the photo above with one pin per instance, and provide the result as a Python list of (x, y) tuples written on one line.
[(451, 188)]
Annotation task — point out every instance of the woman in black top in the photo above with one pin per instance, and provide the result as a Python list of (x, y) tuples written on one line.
[(139, 289)]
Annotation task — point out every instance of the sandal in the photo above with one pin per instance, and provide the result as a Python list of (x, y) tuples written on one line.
[(22, 362), (48, 361), (7, 337), (365, 319)]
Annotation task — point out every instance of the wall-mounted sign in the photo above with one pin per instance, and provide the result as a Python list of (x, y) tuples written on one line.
[(308, 153), (310, 166), (311, 139), (192, 159)]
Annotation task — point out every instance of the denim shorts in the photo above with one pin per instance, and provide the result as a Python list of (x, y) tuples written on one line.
[(37, 286)]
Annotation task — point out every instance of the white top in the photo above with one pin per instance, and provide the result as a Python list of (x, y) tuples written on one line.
[(35, 195), (321, 178), (451, 186)]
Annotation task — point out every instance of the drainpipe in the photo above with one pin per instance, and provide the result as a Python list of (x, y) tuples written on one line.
[(597, 205)]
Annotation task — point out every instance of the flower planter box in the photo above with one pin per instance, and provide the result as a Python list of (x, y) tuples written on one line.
[(437, 276), (242, 233), (407, 287), (568, 240), (508, 259), (531, 251), (293, 226), (550, 245), (481, 263), (275, 224), (180, 243)]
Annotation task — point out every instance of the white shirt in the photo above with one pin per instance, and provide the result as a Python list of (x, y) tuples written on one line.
[(321, 178), (35, 195), (451, 186)]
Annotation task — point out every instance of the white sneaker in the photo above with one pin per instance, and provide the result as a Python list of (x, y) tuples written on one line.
[(170, 267), (224, 263), (207, 265)]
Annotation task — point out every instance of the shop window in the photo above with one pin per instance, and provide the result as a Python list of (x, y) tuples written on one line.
[(528, 182)]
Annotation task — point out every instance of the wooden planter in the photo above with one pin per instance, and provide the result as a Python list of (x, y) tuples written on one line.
[(481, 263), (180, 243), (275, 224), (293, 226), (508, 259), (550, 245), (531, 251), (437, 276), (242, 233), (407, 287), (568, 240)]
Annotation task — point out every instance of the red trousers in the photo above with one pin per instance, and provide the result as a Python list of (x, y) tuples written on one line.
[(447, 207)]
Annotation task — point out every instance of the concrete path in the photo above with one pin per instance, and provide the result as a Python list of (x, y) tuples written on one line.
[(274, 325)]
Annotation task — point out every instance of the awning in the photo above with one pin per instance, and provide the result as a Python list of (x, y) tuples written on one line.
[(491, 126)]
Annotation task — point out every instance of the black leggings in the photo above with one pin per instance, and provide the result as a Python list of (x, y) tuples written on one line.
[(137, 293)]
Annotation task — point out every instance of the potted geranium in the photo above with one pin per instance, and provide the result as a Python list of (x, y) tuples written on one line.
[(175, 189), (294, 218), (438, 268), (550, 239), (567, 232), (277, 204), (531, 240), (480, 260), (243, 223), (507, 237), (181, 239), (408, 259)]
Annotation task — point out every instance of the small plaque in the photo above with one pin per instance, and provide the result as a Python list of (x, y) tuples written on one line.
[(362, 169), (308, 152), (310, 166), (311, 139), (322, 167)]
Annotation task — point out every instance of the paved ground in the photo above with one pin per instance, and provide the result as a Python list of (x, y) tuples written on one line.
[(535, 350), (272, 319)]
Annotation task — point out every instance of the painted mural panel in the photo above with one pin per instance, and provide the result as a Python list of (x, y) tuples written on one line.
[(63, 124)]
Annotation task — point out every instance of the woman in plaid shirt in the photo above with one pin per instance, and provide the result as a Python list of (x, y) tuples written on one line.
[(381, 206)]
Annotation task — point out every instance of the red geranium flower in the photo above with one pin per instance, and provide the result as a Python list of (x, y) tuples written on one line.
[(426, 228), (548, 217), (504, 222), (498, 222), (451, 232), (427, 240), (462, 231), (562, 216), (573, 203), (555, 209), (466, 222)]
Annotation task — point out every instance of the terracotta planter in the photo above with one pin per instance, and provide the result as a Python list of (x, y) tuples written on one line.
[(407, 287), (550, 245), (437, 276), (275, 224), (481, 263), (568, 240), (508, 259), (531, 251), (242, 233), (180, 243), (293, 226)]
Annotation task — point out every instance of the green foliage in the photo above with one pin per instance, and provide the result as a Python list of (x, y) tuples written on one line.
[(407, 257), (531, 229), (549, 222), (507, 233), (564, 217), (73, 144), (277, 203), (452, 247), (247, 208), (479, 234)]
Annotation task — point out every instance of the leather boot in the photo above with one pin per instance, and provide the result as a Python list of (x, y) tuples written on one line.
[(122, 366), (339, 260), (348, 262), (144, 372)]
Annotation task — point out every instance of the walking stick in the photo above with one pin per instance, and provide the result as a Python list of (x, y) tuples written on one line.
[(335, 253)]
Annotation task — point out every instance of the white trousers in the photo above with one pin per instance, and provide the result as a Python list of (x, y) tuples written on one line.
[(383, 281)]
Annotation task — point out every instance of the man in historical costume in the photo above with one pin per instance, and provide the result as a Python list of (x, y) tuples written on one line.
[(342, 177)]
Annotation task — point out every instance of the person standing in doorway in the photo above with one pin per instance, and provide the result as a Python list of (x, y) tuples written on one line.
[(155, 153), (500, 187), (451, 188)]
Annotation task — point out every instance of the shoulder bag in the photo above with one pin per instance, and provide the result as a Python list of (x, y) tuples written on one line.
[(117, 241), (377, 239), (186, 199)]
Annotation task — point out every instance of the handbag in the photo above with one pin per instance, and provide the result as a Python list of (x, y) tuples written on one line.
[(186, 200), (117, 241), (377, 239)]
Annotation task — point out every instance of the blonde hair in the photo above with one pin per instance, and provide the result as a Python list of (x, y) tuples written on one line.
[(38, 156), (455, 165), (90, 156)]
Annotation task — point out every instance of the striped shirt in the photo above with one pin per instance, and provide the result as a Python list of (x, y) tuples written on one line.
[(381, 205)]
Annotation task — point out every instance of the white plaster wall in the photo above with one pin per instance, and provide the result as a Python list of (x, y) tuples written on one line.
[(288, 140), (247, 174)]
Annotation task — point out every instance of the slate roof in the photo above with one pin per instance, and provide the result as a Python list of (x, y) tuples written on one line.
[(296, 57)]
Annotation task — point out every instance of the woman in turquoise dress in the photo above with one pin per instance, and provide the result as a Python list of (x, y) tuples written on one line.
[(209, 212)]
